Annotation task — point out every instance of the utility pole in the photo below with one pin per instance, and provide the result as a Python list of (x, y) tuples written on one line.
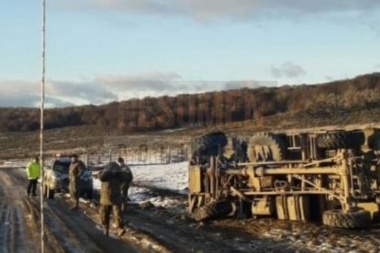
[(42, 125)]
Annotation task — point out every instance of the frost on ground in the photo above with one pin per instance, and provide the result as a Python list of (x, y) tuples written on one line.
[(167, 176), (172, 177)]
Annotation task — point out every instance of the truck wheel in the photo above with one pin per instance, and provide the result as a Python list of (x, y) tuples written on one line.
[(213, 210), (353, 219), (208, 145), (265, 147), (340, 140), (374, 141)]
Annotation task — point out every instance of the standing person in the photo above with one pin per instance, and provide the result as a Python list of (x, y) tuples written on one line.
[(33, 173), (125, 186), (77, 167), (111, 178)]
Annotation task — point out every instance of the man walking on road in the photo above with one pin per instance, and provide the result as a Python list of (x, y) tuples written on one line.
[(126, 184), (76, 186), (111, 177), (33, 173)]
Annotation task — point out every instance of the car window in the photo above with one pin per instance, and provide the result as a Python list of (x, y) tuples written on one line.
[(86, 174), (61, 167)]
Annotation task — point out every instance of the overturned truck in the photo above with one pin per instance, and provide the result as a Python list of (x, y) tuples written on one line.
[(329, 175)]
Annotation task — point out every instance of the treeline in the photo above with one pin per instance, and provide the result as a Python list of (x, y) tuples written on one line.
[(362, 92)]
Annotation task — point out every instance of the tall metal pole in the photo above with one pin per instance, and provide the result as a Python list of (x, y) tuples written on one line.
[(42, 125)]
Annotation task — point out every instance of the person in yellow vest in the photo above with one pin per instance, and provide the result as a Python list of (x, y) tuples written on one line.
[(33, 173)]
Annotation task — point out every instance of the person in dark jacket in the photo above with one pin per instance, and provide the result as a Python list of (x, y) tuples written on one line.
[(77, 167), (125, 186), (111, 178)]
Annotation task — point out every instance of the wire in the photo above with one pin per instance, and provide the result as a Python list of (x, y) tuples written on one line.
[(42, 123)]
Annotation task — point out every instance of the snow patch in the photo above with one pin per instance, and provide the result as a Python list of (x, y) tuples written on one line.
[(150, 178)]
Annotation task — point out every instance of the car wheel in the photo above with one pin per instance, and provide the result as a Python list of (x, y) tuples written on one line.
[(44, 193), (50, 193)]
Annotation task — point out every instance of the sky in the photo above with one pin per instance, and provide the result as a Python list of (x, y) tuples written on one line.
[(99, 51)]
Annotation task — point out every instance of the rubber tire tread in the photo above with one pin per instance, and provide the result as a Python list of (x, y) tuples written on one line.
[(213, 210), (208, 144), (374, 141), (355, 219), (340, 140)]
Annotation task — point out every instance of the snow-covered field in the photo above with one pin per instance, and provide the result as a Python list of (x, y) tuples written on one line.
[(150, 178), (164, 176)]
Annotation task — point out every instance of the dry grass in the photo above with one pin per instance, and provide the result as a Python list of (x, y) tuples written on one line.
[(91, 137)]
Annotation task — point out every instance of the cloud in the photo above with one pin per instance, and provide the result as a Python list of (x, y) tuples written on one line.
[(248, 84), (287, 69), (93, 92), (106, 88), (31, 100), (154, 81), (100, 90), (201, 9), (161, 84), (57, 93)]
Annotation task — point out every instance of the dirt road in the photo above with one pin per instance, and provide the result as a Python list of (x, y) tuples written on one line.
[(65, 230)]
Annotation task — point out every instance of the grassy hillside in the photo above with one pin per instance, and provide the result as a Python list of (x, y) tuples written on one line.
[(240, 112)]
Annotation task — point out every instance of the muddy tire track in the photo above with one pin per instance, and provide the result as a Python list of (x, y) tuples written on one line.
[(15, 235), (66, 231), (178, 234), (51, 244), (4, 228), (88, 234)]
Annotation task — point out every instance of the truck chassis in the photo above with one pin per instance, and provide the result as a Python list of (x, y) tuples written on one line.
[(330, 176)]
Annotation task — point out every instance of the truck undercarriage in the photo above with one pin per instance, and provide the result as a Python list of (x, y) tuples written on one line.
[(329, 176)]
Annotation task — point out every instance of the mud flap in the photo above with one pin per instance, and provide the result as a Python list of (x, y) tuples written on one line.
[(294, 208), (264, 206), (373, 209), (195, 181)]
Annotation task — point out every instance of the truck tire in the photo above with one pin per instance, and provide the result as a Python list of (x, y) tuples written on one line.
[(354, 219), (374, 141), (265, 146), (340, 140), (208, 144), (213, 210)]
